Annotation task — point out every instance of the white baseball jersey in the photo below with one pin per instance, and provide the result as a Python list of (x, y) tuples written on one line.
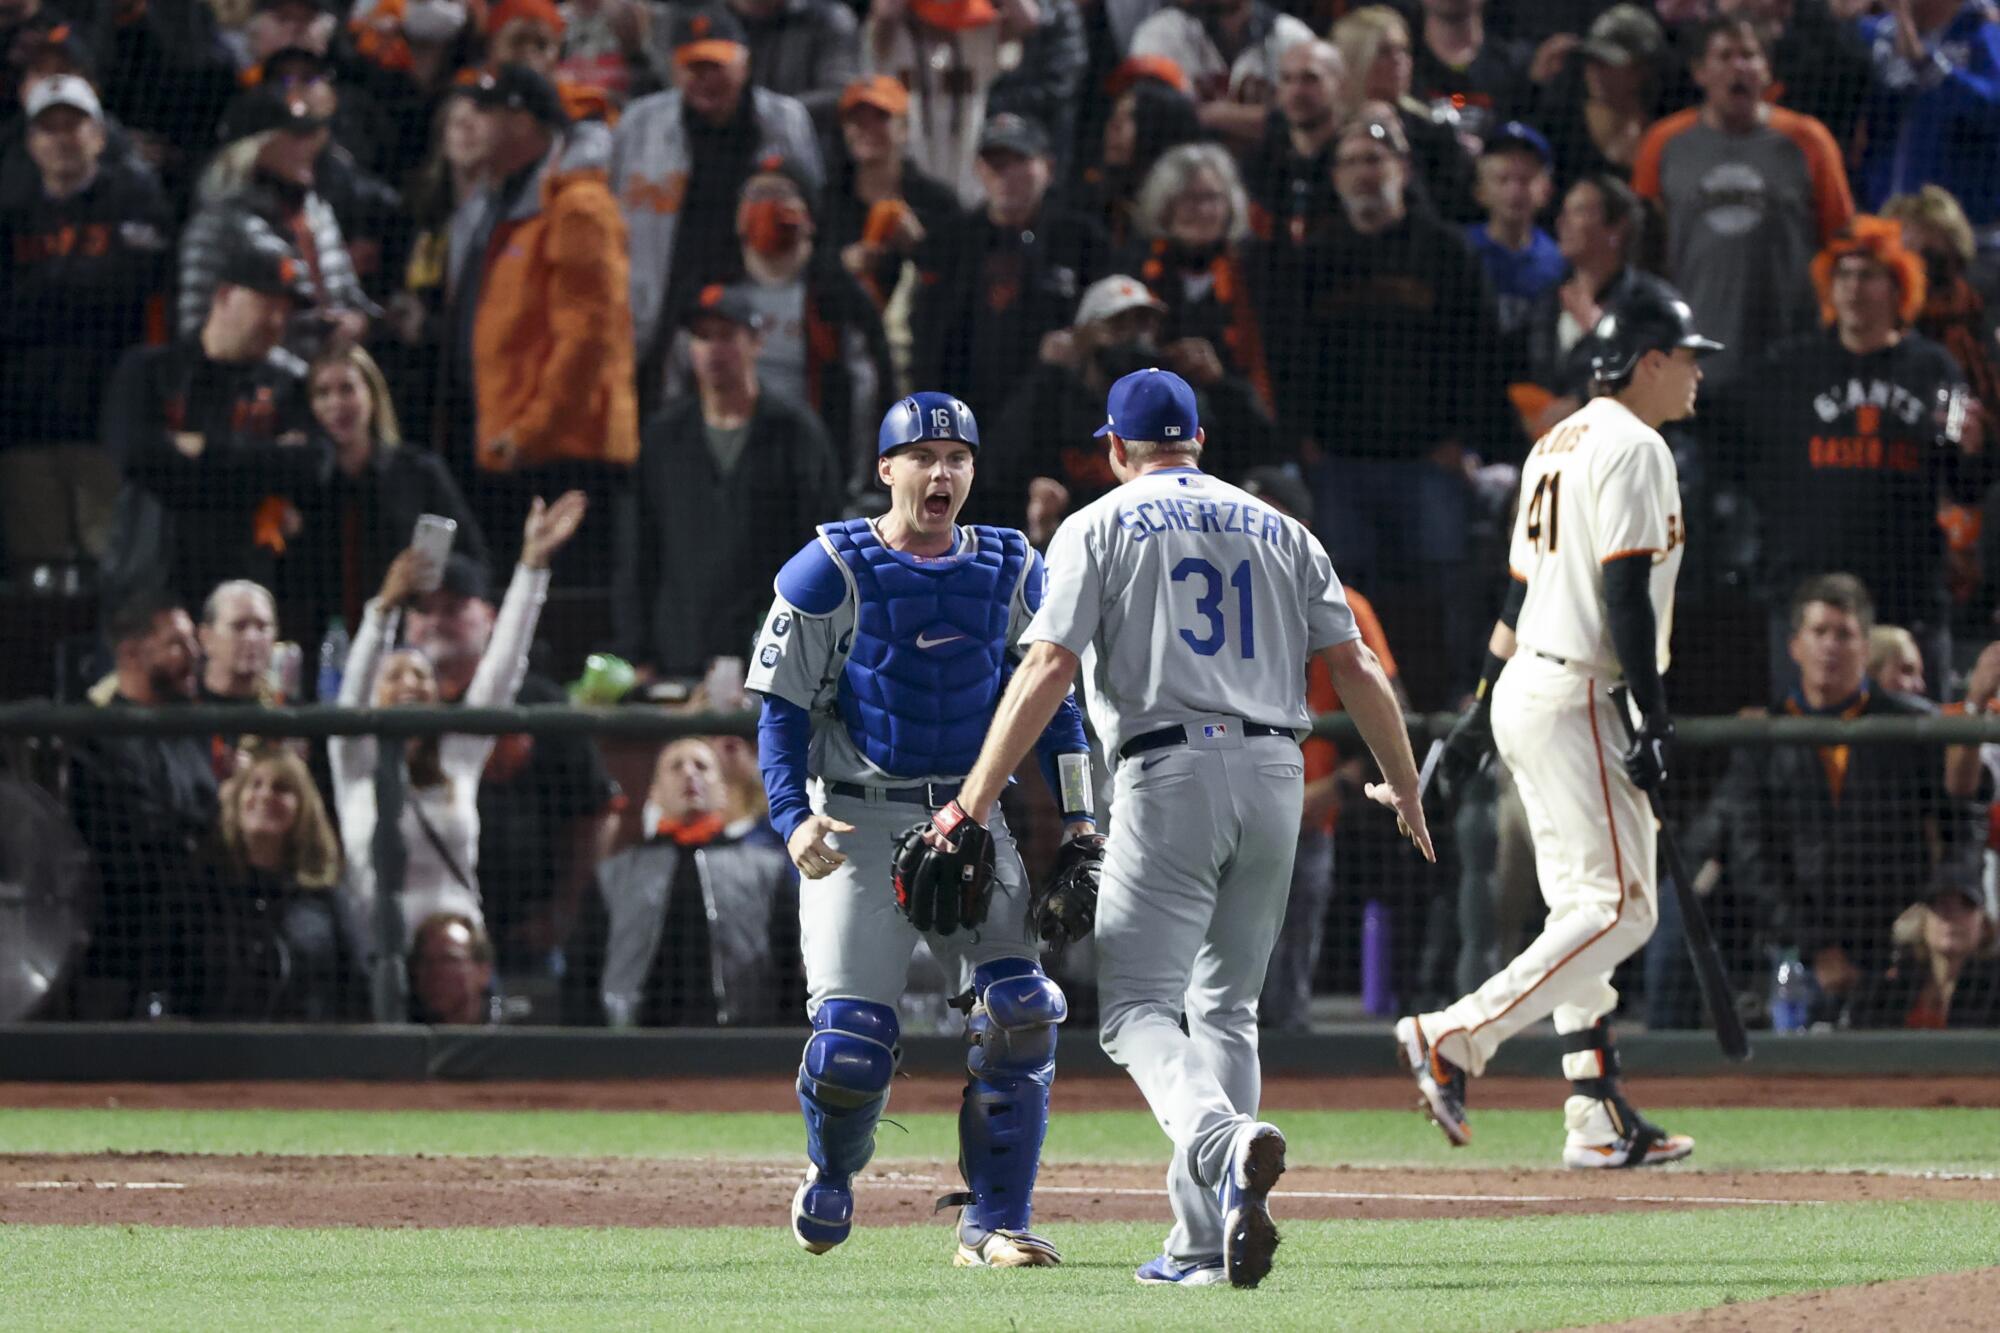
[(1599, 486), (1186, 598)]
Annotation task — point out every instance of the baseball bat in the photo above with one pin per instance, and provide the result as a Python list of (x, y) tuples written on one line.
[(1700, 940)]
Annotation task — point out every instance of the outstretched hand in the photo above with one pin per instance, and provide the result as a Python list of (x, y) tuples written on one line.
[(1409, 808), (549, 526)]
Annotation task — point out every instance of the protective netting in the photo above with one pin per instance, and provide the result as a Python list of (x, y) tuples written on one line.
[(280, 281)]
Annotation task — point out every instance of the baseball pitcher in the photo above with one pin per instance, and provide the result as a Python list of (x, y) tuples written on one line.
[(1192, 609), (1597, 546), (880, 664)]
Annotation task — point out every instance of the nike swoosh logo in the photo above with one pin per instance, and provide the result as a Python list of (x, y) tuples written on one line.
[(1145, 764), (923, 642)]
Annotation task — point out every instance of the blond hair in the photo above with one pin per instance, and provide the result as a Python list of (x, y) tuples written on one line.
[(382, 421), (1885, 641), (312, 851), (1358, 36), (1937, 208)]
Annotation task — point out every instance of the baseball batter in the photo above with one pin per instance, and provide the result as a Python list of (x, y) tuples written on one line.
[(1597, 546), (1192, 608), (880, 663)]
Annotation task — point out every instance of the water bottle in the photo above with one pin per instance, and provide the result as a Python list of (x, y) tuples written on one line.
[(332, 660), (1791, 994)]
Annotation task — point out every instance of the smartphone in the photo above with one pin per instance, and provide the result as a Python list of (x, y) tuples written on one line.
[(432, 543)]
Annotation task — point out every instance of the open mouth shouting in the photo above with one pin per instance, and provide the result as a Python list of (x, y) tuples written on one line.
[(937, 504)]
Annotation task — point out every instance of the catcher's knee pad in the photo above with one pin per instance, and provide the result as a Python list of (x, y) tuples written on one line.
[(1011, 1056), (844, 1082)]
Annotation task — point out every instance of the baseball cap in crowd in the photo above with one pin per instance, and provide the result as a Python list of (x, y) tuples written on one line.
[(1164, 70), (465, 577), (302, 61), (1011, 133), (1283, 489), (1622, 35), (709, 35), (1517, 134), (1114, 296), (268, 109), (885, 94), (1151, 404), (728, 303), (518, 88), (543, 12), (266, 264), (955, 15), (63, 90)]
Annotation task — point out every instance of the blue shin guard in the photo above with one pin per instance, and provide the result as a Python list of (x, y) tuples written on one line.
[(1011, 1036), (844, 1083)]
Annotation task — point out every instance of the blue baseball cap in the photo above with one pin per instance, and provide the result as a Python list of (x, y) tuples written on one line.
[(1517, 134), (1151, 404)]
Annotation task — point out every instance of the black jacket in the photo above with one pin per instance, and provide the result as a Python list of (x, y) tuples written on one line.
[(81, 276), (980, 315), (1831, 844), (355, 526), (1887, 999), (267, 950), (844, 216), (696, 550), (189, 523)]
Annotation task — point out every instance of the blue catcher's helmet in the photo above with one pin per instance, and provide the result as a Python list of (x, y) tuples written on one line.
[(927, 416)]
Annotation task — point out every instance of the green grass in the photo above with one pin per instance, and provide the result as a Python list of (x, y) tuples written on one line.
[(1840, 1140), (1457, 1275)]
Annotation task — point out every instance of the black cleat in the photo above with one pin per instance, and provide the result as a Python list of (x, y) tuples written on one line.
[(1441, 1083)]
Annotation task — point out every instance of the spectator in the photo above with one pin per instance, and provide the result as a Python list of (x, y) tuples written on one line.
[(1286, 1004), (1944, 971), (678, 162), (375, 487), (1597, 233), (1747, 191), (357, 133), (1955, 313), (25, 26), (1822, 847), (1374, 44), (1470, 78), (145, 806), (881, 209), (1039, 451), (548, 809), (1045, 83), (451, 971), (542, 314), (747, 808), (1933, 117), (1230, 51), (206, 430), (602, 61), (450, 178), (1402, 390), (440, 823), (808, 50), (237, 634), (83, 248), (1290, 175), (1849, 436), (697, 926), (278, 943), (1894, 660), (1816, 57), (948, 53), (1522, 261), (263, 184), (1147, 119), (1598, 109), (823, 346), (1195, 213), (407, 53), (729, 479), (1015, 274)]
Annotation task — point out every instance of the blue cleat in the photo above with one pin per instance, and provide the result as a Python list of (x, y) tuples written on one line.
[(1164, 1272), (1249, 1236), (822, 1212)]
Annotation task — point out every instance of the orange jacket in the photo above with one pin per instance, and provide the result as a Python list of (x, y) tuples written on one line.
[(552, 340)]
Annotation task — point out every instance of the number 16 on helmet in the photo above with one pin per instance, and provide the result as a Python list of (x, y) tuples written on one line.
[(927, 416)]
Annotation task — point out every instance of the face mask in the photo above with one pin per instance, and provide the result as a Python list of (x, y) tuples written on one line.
[(772, 227), (1121, 359)]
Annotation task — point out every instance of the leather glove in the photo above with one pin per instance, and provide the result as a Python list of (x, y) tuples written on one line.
[(1646, 756)]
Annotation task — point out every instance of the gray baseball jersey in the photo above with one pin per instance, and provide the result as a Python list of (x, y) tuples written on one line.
[(1186, 598)]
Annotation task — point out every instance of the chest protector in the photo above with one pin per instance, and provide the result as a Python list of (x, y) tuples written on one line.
[(929, 655)]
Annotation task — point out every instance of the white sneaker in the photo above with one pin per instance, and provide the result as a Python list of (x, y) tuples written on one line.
[(1610, 1133)]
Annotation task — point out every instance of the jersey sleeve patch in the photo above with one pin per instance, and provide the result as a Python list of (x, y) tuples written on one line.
[(812, 582)]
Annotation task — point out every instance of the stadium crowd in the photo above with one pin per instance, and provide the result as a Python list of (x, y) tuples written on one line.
[(622, 289)]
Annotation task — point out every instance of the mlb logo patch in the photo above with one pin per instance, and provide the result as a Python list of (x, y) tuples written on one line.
[(1211, 730), (1171, 432)]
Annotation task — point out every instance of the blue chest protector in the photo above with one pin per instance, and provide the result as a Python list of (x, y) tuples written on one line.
[(929, 655)]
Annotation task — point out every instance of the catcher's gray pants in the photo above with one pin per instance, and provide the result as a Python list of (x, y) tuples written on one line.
[(857, 944), (1197, 868)]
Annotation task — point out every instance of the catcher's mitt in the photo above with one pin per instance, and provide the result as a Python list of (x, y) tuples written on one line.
[(940, 890), (1065, 911)]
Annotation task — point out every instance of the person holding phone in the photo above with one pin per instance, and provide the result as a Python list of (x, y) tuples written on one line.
[(377, 486)]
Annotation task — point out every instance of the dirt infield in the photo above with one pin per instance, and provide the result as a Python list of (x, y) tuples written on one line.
[(175, 1190), (1944, 1303), (942, 1094)]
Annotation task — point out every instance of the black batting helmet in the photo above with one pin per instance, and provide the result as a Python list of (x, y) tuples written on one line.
[(1649, 315)]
